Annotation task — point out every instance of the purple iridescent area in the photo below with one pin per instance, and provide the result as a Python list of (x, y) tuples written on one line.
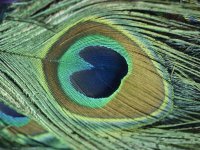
[(7, 1)]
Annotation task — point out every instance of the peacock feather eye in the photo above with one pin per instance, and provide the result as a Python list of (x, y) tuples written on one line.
[(11, 117), (99, 73), (97, 66)]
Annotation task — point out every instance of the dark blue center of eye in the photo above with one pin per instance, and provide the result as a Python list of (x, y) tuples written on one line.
[(8, 111), (105, 77)]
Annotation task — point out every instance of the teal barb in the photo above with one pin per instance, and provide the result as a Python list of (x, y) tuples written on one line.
[(99, 75), (91, 70)]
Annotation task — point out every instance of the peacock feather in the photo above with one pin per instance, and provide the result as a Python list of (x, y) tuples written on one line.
[(101, 74)]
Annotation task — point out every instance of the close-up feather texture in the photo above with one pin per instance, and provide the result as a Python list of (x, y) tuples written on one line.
[(100, 74)]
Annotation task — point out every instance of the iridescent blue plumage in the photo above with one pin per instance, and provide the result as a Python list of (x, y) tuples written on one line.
[(104, 78), (8, 111), (11, 117)]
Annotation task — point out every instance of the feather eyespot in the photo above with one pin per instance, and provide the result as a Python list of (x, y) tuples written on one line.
[(99, 73)]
